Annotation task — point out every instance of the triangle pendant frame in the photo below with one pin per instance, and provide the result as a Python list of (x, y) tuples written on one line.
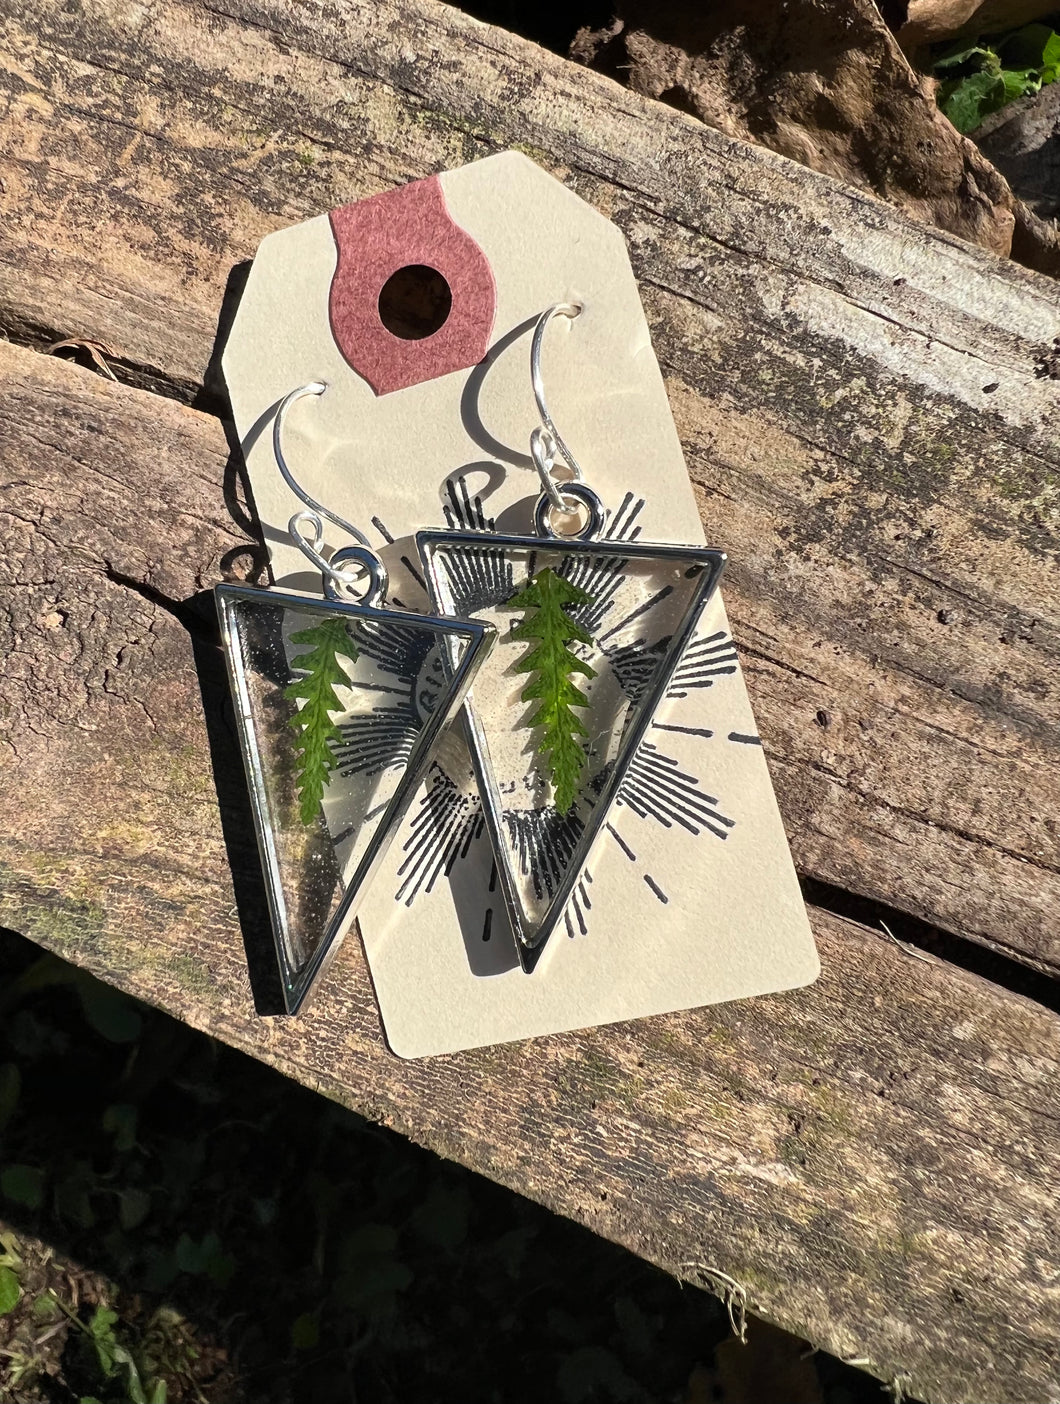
[(530, 943), (299, 981)]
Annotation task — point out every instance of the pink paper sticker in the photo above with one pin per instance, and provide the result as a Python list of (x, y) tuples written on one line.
[(400, 229)]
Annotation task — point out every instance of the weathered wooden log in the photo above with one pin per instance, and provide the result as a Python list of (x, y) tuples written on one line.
[(873, 441), (874, 1157), (858, 395)]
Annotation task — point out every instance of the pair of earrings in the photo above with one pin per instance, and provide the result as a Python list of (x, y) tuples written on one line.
[(570, 636)]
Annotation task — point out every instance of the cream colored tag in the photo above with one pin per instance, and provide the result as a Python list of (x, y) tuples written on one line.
[(679, 909)]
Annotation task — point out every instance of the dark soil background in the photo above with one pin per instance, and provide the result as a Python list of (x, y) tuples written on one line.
[(846, 89), (547, 22), (250, 1241)]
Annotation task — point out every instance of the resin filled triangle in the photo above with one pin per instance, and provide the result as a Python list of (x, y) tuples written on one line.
[(388, 683), (637, 607)]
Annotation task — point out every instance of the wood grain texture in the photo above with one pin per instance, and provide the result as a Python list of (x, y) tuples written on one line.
[(859, 396), (875, 1157)]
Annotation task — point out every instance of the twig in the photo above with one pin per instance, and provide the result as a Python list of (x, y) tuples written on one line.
[(906, 947), (732, 1293), (71, 1314), (38, 1341), (94, 349), (896, 1389)]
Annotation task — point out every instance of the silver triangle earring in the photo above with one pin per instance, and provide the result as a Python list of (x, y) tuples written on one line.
[(591, 625), (340, 701)]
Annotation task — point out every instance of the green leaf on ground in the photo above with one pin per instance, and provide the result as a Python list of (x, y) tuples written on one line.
[(305, 1332), (321, 671), (73, 1194), (119, 1119), (115, 1359), (23, 1184), (971, 99), (10, 1291), (550, 629), (980, 78), (101, 1330), (46, 1308), (10, 1091), (370, 1275), (134, 1205), (9, 1251), (111, 1014), (1026, 48), (207, 1258), (1051, 59), (961, 53), (1019, 82)]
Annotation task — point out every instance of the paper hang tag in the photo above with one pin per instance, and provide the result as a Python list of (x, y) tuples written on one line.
[(689, 895)]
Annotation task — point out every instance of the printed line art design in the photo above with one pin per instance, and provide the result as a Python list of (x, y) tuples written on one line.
[(447, 826)]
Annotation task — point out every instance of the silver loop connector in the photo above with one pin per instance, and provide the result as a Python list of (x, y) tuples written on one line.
[(543, 452), (307, 527), (579, 497), (340, 583)]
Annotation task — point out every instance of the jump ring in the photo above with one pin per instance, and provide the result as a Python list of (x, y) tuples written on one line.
[(578, 493), (337, 582)]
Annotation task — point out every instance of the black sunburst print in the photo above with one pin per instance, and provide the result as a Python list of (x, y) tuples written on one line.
[(409, 679), (449, 819)]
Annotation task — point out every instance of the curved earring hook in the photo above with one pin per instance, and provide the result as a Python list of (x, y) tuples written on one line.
[(315, 387), (337, 583), (544, 450), (575, 497)]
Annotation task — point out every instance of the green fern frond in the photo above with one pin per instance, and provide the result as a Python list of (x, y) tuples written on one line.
[(315, 689), (550, 629)]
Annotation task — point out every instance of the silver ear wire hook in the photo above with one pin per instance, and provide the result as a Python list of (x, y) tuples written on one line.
[(338, 583), (553, 439), (569, 498)]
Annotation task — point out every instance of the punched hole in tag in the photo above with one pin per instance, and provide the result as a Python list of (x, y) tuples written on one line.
[(415, 302)]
